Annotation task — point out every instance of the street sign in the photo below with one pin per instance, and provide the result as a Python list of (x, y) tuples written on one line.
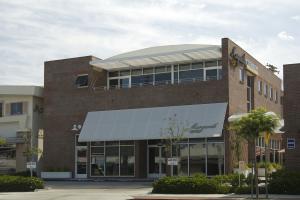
[(291, 143), (172, 161), (31, 165), (242, 166)]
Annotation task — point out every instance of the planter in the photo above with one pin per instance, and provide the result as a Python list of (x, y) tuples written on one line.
[(56, 175)]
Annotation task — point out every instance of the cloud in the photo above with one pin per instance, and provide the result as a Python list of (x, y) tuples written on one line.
[(33, 31), (296, 17), (283, 35)]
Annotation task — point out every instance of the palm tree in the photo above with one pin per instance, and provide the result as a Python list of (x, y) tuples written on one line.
[(252, 125)]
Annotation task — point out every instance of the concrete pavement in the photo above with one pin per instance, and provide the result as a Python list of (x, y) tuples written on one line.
[(79, 190)]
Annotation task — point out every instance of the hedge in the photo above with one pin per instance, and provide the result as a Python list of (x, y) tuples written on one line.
[(19, 183), (285, 182), (189, 185)]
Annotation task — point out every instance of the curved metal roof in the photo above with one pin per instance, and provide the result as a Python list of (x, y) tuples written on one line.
[(160, 55)]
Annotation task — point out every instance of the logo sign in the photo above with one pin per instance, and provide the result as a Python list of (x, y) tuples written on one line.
[(31, 165), (291, 143), (237, 59), (172, 161)]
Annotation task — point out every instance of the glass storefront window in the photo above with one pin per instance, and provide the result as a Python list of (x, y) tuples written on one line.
[(8, 158), (215, 158), (197, 158), (97, 165), (127, 160), (112, 160), (181, 151)]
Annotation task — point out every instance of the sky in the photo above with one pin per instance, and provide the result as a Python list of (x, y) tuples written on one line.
[(35, 31)]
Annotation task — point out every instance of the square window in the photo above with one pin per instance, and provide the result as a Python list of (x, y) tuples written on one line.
[(16, 108), (82, 81), (148, 71), (136, 72), (259, 86)]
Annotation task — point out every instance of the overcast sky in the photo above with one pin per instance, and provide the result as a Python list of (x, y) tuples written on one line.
[(32, 32)]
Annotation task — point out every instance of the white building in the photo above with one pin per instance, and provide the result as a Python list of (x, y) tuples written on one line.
[(21, 110)]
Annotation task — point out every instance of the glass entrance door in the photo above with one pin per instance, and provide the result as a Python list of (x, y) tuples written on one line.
[(156, 161), (81, 162), (80, 159)]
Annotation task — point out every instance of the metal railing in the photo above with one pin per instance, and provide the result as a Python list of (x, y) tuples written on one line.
[(155, 83)]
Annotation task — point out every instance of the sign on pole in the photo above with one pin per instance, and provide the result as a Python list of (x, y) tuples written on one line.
[(242, 166), (172, 161), (31, 165)]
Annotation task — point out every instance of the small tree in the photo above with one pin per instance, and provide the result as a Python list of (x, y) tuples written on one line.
[(272, 68), (251, 126), (175, 132), (30, 150)]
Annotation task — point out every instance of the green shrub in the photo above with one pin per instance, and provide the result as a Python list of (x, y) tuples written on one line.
[(285, 182), (189, 185), (24, 173), (232, 179), (247, 190), (19, 183)]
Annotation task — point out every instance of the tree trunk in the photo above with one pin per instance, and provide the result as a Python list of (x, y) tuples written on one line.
[(267, 159), (255, 170)]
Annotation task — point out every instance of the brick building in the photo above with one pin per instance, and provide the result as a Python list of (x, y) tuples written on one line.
[(291, 113), (106, 118)]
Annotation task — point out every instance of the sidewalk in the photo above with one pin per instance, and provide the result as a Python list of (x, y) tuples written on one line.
[(209, 197)]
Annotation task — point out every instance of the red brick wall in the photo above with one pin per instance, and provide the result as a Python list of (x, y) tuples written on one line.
[(291, 113)]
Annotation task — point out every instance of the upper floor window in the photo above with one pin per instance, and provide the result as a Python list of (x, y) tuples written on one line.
[(16, 108), (82, 80), (259, 86), (266, 89), (271, 93), (1, 109), (242, 74), (276, 96), (161, 75)]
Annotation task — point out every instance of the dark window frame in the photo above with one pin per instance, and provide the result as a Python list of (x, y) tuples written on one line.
[(82, 81), (14, 108)]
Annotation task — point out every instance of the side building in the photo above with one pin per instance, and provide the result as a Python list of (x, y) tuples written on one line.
[(291, 113), (109, 118), (20, 123)]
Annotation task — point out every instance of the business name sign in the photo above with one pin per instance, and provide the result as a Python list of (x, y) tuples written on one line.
[(237, 60), (291, 143)]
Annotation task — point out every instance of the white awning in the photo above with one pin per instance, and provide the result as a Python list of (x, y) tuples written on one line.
[(204, 120), (159, 56)]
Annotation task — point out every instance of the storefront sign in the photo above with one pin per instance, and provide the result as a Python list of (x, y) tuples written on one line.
[(172, 161), (291, 143), (237, 59), (31, 165)]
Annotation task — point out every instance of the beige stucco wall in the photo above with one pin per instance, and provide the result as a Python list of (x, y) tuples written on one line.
[(30, 120)]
